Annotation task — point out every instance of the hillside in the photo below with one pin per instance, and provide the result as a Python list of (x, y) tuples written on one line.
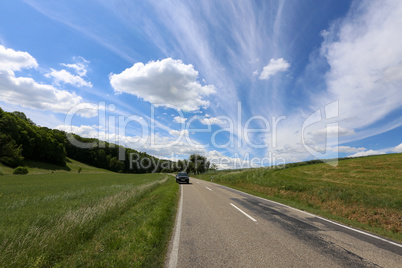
[(72, 166), (21, 140), (363, 192)]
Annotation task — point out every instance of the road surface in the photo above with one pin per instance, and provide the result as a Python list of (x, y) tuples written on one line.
[(220, 227)]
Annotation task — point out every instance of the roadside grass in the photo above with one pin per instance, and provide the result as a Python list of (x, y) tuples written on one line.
[(363, 192), (49, 218), (137, 239)]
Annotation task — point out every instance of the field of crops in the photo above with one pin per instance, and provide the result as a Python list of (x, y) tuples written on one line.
[(67, 219), (363, 192)]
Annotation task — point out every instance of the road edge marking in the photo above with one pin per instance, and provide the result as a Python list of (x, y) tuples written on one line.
[(174, 255), (243, 212), (319, 217)]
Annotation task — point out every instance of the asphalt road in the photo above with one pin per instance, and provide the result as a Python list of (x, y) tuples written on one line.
[(220, 227)]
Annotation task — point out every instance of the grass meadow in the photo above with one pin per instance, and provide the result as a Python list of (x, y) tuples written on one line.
[(91, 219), (362, 192), (73, 166)]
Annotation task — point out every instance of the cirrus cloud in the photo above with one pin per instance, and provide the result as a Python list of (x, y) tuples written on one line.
[(164, 83), (364, 53), (213, 121)]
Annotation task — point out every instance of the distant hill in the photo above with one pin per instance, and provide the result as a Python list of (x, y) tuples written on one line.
[(22, 140), (72, 166)]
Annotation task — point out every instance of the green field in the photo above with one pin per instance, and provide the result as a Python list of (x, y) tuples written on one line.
[(94, 218), (72, 166), (363, 192)]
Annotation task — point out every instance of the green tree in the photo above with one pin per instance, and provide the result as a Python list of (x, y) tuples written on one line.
[(198, 164), (10, 152)]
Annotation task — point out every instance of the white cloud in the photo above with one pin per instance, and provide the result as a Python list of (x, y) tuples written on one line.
[(80, 67), (11, 60), (364, 52), (274, 66), (332, 131), (179, 119), (233, 162), (182, 132), (68, 78), (213, 121), (26, 92), (366, 153), (348, 149), (398, 149), (83, 131), (157, 145), (163, 83), (166, 147)]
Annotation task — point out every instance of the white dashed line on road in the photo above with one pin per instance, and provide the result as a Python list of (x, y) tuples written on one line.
[(208, 188), (243, 212)]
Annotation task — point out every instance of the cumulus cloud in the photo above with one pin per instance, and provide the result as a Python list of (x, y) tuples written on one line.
[(68, 78), (182, 132), (179, 119), (398, 149), (364, 53), (274, 66), (163, 83), (26, 92), (366, 153), (11, 60), (64, 76), (83, 131)]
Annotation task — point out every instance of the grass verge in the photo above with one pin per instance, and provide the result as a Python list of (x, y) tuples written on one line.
[(100, 220), (365, 193)]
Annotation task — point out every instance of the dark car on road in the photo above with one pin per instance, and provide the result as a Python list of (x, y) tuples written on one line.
[(182, 177)]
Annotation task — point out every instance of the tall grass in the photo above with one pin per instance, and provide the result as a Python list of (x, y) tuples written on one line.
[(364, 192), (46, 218), (137, 239)]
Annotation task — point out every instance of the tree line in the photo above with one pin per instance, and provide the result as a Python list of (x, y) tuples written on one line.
[(20, 139)]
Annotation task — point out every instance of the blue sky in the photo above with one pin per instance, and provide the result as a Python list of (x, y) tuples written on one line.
[(246, 83)]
